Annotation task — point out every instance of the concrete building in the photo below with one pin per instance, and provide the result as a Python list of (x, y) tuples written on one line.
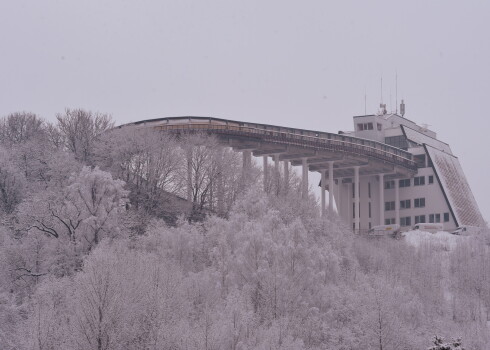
[(404, 174), (437, 193)]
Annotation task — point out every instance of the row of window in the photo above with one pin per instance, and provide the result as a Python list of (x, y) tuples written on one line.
[(368, 126), (417, 181), (406, 204), (407, 220), (399, 141)]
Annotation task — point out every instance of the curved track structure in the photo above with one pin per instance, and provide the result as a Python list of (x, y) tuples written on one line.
[(316, 148)]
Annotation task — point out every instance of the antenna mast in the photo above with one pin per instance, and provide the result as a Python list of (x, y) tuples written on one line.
[(365, 113), (396, 92)]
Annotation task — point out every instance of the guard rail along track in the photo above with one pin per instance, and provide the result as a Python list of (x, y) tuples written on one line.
[(320, 141)]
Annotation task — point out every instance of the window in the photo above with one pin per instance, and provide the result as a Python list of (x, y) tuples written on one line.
[(378, 125), (397, 141), (431, 218), (431, 179), (419, 160), (438, 217), (389, 184), (389, 206), (353, 189), (446, 217), (353, 210), (419, 219), (405, 221), (419, 181), (404, 183), (390, 221), (364, 126), (369, 189), (419, 202), (405, 204), (369, 209)]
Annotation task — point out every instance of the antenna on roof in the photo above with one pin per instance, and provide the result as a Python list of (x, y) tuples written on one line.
[(396, 92), (365, 113), (381, 89)]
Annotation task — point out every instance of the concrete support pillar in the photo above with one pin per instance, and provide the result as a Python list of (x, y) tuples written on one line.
[(286, 176), (381, 199), (330, 187), (189, 175), (266, 173), (356, 198), (247, 165), (305, 177), (350, 216), (323, 186), (397, 202), (339, 198), (277, 173)]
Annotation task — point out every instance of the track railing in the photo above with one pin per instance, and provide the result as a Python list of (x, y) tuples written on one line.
[(321, 140)]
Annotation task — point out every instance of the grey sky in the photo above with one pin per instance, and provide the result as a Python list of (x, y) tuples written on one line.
[(303, 64)]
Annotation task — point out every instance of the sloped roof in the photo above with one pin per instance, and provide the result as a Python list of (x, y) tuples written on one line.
[(455, 187), (420, 138)]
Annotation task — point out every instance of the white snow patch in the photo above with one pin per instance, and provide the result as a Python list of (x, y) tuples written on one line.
[(439, 241)]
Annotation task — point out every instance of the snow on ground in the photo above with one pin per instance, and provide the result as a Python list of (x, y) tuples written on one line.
[(439, 241)]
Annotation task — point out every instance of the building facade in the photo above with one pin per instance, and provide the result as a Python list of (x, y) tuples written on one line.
[(437, 193)]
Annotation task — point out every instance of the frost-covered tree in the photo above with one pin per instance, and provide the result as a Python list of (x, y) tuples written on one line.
[(79, 130), (99, 199), (12, 183)]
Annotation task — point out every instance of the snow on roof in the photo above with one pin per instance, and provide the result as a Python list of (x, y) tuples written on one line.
[(421, 138), (455, 187)]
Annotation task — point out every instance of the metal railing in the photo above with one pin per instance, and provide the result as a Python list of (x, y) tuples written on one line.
[(320, 140)]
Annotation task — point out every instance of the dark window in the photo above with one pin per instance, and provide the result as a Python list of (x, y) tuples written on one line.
[(397, 141), (390, 221), (438, 218), (405, 204), (379, 126), (419, 219), (369, 209), (353, 210), (404, 183), (353, 190), (431, 179), (405, 221), (369, 189), (419, 202), (431, 218), (389, 206), (420, 160), (419, 181), (389, 184), (364, 126), (446, 217)]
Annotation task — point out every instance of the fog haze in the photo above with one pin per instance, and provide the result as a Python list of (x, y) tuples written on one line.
[(299, 64)]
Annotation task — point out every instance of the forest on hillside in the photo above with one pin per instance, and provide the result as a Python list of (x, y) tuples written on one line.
[(99, 250)]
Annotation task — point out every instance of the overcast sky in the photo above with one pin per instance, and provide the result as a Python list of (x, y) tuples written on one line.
[(304, 64)]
